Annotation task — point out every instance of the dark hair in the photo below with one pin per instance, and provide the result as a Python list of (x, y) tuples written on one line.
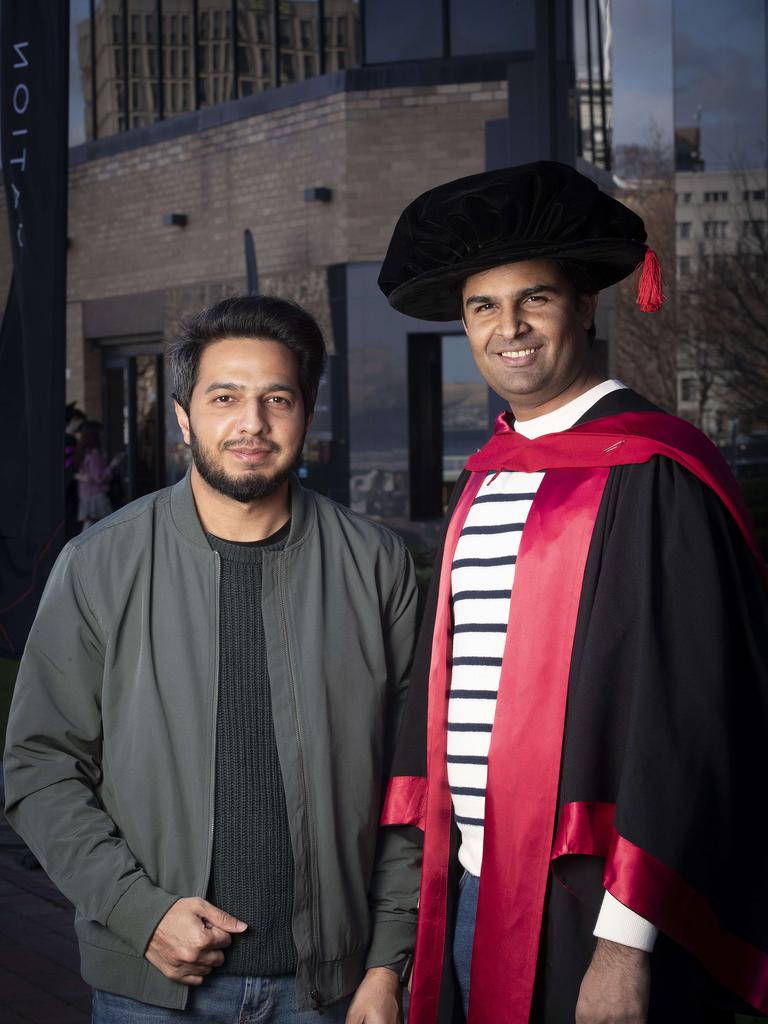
[(246, 316), (578, 276), (88, 437)]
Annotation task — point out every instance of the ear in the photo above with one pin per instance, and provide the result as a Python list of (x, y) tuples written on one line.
[(183, 421)]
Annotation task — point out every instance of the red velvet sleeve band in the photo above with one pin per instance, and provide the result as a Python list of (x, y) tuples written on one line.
[(651, 889), (405, 801)]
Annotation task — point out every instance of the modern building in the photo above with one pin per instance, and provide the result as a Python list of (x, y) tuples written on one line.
[(311, 124)]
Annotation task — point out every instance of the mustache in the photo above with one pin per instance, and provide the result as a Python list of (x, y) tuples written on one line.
[(258, 443)]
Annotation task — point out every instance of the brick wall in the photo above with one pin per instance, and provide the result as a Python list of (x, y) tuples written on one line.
[(376, 150)]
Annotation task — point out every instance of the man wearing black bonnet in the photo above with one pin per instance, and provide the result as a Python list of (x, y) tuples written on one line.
[(589, 696)]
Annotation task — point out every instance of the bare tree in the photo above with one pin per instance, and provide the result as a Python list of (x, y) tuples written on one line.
[(729, 311), (647, 343)]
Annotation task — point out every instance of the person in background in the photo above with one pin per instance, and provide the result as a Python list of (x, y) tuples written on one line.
[(93, 474), (73, 421)]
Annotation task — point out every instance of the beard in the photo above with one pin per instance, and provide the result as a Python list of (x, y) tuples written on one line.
[(245, 487)]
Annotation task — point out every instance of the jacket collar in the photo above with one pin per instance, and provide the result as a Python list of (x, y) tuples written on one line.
[(187, 522)]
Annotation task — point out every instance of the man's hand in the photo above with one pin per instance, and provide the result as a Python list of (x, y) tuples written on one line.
[(378, 1000), (616, 986), (187, 943)]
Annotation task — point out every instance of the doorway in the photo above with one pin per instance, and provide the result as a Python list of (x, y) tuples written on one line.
[(133, 401)]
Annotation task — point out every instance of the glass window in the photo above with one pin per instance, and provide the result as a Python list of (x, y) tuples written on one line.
[(143, 63), (287, 67), (688, 389), (244, 60), (342, 34), (177, 57), (397, 30), (593, 83), (255, 41), (111, 58), (80, 67), (219, 58), (185, 29), (684, 229), (298, 39), (464, 409), (487, 26), (720, 81)]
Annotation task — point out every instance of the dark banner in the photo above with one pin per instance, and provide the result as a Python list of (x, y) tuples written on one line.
[(34, 57)]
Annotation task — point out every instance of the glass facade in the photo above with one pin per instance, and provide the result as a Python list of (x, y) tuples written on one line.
[(144, 60), (134, 62), (687, 128)]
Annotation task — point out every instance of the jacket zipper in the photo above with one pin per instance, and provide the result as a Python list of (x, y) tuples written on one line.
[(315, 994), (214, 717)]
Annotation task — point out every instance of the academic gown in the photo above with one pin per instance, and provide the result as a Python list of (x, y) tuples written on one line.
[(628, 749)]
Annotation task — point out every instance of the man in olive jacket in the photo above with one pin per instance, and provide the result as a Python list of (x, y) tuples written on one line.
[(205, 711)]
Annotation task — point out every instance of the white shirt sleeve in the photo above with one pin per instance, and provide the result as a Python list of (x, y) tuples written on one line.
[(620, 924)]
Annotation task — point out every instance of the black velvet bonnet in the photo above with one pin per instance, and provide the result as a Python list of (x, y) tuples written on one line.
[(533, 211)]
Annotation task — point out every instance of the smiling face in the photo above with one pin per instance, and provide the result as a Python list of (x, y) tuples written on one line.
[(527, 331), (246, 421)]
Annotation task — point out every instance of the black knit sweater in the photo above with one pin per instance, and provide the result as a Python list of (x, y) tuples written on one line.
[(252, 869)]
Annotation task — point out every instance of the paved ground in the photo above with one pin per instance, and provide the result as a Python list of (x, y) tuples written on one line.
[(39, 979)]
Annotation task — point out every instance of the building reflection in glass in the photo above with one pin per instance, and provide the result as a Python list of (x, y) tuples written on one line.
[(464, 412), (145, 69)]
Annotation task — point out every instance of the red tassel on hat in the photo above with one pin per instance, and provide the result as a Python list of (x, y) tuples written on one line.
[(650, 290)]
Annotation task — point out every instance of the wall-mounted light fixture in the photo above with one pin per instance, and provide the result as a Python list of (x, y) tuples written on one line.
[(318, 195), (175, 220)]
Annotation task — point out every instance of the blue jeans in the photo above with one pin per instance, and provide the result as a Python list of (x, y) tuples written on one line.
[(221, 999), (464, 933)]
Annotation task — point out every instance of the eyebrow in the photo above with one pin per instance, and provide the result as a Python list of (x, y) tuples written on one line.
[(228, 385), (523, 294)]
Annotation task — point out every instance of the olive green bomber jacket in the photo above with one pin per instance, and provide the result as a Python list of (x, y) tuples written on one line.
[(109, 764)]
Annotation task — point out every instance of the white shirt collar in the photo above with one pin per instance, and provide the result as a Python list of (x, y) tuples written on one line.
[(568, 414)]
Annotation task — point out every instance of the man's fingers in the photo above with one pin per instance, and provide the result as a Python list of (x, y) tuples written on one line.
[(220, 918), (190, 979), (215, 938), (210, 958)]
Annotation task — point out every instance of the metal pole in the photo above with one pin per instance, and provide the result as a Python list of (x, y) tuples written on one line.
[(126, 84), (603, 106), (590, 93), (160, 83), (235, 60), (321, 35), (195, 47), (94, 114)]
